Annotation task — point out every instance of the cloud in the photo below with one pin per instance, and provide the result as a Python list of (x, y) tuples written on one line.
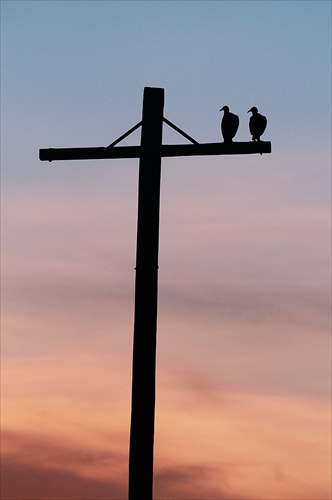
[(257, 446), (36, 468), (27, 482), (194, 482), (209, 444), (272, 304)]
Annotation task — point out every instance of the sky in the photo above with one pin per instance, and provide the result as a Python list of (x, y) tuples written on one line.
[(244, 330)]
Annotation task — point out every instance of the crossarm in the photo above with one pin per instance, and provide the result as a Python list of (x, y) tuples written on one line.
[(216, 148), (89, 153), (167, 150)]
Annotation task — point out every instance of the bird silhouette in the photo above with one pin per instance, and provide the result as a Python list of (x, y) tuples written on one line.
[(257, 124), (229, 124)]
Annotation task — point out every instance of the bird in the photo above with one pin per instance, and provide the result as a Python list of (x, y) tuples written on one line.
[(229, 124), (257, 124)]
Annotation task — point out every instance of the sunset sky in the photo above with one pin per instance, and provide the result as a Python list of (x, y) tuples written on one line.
[(244, 337)]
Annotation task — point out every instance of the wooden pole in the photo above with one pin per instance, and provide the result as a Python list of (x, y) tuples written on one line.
[(146, 297)]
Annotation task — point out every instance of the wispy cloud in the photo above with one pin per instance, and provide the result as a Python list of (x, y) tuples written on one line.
[(260, 445), (35, 480)]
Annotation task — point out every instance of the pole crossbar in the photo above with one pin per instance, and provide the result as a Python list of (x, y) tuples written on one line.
[(167, 150)]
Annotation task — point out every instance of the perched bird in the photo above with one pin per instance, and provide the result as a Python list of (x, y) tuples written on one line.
[(229, 124), (257, 124)]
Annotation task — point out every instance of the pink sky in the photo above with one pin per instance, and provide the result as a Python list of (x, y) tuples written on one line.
[(243, 342)]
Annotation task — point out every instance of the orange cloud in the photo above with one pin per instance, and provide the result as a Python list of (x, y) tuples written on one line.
[(37, 469), (259, 446), (209, 444)]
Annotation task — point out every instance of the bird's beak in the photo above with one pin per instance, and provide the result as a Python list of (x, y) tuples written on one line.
[(249, 111)]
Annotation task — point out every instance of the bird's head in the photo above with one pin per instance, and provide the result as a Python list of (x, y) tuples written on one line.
[(225, 108), (254, 110)]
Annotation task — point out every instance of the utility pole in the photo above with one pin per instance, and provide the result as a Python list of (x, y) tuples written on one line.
[(146, 297), (150, 153)]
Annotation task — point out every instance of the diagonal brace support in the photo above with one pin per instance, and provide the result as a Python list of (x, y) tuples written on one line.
[(177, 129), (125, 135)]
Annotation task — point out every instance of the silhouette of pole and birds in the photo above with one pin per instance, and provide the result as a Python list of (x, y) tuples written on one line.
[(230, 124), (150, 153)]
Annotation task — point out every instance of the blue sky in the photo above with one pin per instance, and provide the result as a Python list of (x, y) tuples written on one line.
[(86, 60), (73, 75), (244, 336)]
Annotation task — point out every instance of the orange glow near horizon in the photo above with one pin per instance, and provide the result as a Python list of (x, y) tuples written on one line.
[(242, 361), (244, 445), (248, 446)]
